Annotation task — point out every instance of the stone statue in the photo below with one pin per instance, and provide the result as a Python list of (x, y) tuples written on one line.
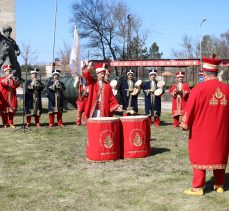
[(9, 51)]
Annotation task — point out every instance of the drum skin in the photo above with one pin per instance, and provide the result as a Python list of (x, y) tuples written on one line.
[(158, 92), (135, 137), (160, 84), (103, 142)]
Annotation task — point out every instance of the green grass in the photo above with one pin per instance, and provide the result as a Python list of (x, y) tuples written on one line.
[(46, 169)]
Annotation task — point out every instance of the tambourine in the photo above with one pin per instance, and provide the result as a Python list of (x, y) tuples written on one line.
[(137, 88), (158, 92), (114, 84), (160, 84)]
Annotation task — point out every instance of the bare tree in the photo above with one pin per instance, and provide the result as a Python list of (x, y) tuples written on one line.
[(27, 55), (224, 45), (64, 56), (190, 49), (104, 25)]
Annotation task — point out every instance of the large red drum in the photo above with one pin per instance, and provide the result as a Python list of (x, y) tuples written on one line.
[(135, 136), (103, 142)]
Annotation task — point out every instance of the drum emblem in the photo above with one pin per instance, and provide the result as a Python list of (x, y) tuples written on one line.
[(106, 138), (137, 140), (137, 137)]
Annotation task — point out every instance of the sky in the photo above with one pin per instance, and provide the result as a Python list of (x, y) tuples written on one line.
[(166, 21)]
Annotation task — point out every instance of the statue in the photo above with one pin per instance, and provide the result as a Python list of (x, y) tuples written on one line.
[(9, 51)]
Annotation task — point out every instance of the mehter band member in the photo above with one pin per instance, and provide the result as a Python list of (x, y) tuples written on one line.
[(206, 115), (55, 99), (33, 103), (8, 86), (81, 102), (101, 100), (180, 92), (129, 99), (153, 97)]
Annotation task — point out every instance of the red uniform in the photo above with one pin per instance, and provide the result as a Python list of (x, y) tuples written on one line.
[(180, 93), (8, 99), (81, 104), (100, 97), (207, 116)]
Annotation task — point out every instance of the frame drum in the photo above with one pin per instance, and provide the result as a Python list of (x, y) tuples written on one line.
[(160, 84), (158, 92)]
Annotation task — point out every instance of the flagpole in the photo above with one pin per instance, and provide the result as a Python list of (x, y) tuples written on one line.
[(74, 57), (76, 53), (54, 36)]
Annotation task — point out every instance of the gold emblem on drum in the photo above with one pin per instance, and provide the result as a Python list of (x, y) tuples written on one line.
[(137, 137), (108, 142), (137, 140), (107, 139)]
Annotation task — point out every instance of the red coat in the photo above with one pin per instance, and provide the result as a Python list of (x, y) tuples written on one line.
[(109, 103), (82, 98), (8, 95), (179, 101), (207, 116)]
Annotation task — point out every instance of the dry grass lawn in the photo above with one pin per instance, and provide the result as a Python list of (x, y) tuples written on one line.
[(46, 169)]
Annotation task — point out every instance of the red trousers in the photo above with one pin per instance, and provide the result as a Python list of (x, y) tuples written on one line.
[(157, 121), (8, 118), (176, 121), (37, 119), (59, 118), (199, 177)]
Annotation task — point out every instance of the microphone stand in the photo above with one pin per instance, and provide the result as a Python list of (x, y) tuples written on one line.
[(23, 107)]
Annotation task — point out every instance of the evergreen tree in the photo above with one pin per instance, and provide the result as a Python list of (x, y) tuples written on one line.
[(154, 52)]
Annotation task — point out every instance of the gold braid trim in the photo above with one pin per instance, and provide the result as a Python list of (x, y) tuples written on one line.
[(209, 167), (184, 126), (114, 108)]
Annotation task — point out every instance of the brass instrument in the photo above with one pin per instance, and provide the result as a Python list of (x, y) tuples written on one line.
[(11, 75), (57, 86), (35, 100)]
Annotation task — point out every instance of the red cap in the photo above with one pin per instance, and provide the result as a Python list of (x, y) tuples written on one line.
[(210, 64), (99, 68), (180, 74), (7, 67)]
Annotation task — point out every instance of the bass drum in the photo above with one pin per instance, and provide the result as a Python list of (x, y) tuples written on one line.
[(158, 92)]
